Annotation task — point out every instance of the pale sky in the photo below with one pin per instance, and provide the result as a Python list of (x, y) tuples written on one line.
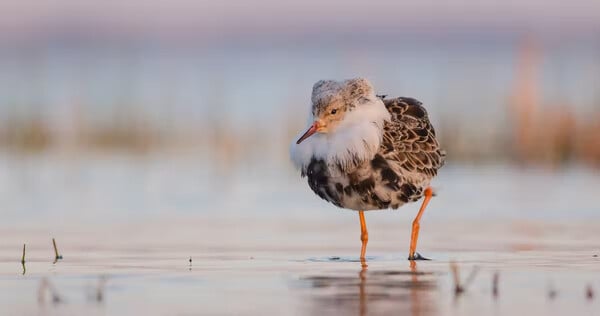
[(216, 18)]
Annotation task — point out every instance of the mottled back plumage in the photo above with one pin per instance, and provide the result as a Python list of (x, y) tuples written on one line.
[(409, 140), (407, 158)]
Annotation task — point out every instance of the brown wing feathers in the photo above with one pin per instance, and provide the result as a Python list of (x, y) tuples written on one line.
[(409, 138)]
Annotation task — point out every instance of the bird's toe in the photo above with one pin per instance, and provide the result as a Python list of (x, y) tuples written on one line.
[(417, 256)]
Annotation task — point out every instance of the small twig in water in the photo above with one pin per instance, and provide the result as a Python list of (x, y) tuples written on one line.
[(57, 256), (100, 288), (589, 292), (55, 297), (23, 260), (458, 288), (23, 257), (552, 293), (46, 285), (495, 284), (471, 276)]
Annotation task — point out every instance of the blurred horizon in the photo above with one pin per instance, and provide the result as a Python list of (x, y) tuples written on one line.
[(513, 81)]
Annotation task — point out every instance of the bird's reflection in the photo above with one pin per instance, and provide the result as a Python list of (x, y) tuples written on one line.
[(374, 292), (414, 293), (362, 276)]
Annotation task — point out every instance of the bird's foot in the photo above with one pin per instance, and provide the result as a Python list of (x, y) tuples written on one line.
[(416, 256), (363, 263)]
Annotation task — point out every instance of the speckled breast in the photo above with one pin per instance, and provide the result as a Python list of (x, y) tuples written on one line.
[(371, 186)]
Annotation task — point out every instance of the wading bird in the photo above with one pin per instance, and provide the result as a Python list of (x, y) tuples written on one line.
[(365, 152)]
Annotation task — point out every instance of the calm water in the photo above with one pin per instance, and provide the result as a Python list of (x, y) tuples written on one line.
[(298, 268), (261, 243), (128, 188)]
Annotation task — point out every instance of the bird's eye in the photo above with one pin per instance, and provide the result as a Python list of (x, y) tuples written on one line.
[(333, 111)]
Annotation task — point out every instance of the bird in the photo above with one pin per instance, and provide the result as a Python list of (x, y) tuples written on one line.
[(363, 152)]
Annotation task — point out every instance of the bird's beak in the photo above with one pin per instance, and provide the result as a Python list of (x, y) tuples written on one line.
[(311, 130)]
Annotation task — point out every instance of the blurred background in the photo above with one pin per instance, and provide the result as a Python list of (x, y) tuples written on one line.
[(122, 110)]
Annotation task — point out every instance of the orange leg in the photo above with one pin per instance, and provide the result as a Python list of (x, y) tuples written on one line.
[(412, 254), (364, 235)]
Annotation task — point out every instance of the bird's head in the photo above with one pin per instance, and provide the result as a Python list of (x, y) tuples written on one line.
[(332, 101)]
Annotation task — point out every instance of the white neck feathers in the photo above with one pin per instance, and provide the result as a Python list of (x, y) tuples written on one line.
[(355, 140)]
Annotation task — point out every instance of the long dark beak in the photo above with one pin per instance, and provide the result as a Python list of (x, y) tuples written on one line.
[(311, 130)]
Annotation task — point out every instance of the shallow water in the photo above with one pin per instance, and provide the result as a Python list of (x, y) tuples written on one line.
[(261, 243), (147, 270)]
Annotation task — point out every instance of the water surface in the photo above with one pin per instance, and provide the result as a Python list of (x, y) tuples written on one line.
[(261, 243)]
